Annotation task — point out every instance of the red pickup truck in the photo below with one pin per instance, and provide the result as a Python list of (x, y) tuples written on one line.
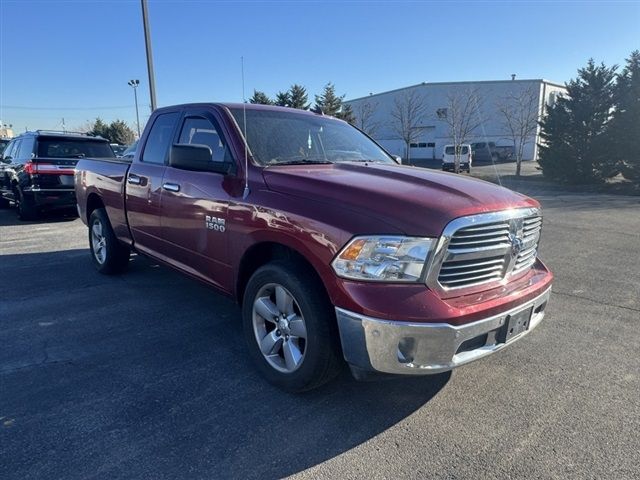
[(334, 250)]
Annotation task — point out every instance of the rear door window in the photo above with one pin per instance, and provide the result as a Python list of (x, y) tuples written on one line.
[(160, 138), (26, 150), (8, 153)]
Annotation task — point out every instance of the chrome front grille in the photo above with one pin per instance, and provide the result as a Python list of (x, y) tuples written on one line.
[(486, 248)]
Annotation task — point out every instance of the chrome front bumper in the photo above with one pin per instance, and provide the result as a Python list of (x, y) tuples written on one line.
[(416, 348)]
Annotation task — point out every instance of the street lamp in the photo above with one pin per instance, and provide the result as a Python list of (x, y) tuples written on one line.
[(134, 84)]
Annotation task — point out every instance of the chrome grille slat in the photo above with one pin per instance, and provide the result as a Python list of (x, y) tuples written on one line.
[(466, 273), (453, 266), (480, 253), (483, 278)]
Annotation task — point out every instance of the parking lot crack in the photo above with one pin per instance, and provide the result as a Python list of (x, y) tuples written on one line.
[(599, 302)]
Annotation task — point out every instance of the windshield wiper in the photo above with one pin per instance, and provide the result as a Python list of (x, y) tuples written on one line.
[(298, 161)]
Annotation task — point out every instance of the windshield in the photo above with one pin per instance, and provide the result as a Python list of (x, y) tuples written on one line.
[(285, 137), (462, 150), (73, 148)]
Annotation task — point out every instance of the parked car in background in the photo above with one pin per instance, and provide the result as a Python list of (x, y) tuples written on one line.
[(449, 158), (484, 152), (130, 151), (118, 150), (37, 169), (505, 152), (312, 228)]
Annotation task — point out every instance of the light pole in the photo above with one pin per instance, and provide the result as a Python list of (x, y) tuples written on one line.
[(147, 42), (134, 84)]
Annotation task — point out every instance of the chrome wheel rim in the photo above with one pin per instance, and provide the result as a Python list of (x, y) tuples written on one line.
[(279, 328), (98, 242)]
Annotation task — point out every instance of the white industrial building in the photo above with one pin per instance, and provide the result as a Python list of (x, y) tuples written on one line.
[(432, 129)]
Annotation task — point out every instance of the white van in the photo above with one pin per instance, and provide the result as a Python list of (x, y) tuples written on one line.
[(449, 158)]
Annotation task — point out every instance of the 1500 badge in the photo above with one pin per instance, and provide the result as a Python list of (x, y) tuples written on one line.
[(214, 223)]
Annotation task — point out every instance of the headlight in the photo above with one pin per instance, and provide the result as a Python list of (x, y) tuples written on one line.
[(383, 258)]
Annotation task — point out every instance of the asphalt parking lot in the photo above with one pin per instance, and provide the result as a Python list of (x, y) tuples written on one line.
[(145, 375)]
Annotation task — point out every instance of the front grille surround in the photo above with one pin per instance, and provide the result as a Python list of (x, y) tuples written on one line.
[(478, 252)]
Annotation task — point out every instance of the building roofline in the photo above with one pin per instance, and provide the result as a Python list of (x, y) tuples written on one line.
[(541, 80)]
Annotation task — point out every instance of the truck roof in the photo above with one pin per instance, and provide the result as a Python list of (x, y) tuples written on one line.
[(232, 105)]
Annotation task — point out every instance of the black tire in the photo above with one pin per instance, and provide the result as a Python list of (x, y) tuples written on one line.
[(26, 207), (108, 254), (321, 359)]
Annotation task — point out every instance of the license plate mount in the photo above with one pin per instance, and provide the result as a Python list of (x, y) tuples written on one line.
[(515, 324)]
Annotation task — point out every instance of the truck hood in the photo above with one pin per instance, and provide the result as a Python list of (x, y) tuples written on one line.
[(414, 200)]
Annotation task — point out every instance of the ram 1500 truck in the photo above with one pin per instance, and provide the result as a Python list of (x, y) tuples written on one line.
[(334, 251)]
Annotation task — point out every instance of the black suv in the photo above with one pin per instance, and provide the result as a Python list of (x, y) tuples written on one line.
[(36, 169)]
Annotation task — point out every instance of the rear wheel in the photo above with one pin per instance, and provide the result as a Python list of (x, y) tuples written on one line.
[(289, 327), (108, 254), (26, 207)]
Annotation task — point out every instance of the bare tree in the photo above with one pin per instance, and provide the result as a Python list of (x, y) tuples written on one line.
[(462, 116), (520, 116), (408, 113), (365, 112)]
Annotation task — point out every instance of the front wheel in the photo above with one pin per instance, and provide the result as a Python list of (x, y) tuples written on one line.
[(289, 327), (108, 254)]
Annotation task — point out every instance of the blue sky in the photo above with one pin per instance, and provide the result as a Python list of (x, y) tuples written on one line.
[(73, 59)]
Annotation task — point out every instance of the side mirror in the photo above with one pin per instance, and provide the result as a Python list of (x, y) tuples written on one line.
[(197, 158), (4, 159), (398, 159)]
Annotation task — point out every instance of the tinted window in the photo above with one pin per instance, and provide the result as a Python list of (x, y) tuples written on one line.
[(10, 149), (26, 149), (159, 139), (3, 145), (54, 147), (200, 131)]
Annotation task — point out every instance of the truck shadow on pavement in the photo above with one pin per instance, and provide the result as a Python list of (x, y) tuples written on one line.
[(9, 217), (146, 375)]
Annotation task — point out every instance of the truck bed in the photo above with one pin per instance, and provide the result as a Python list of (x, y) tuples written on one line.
[(103, 180)]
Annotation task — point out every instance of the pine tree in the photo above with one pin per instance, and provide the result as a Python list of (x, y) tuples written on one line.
[(328, 101), (298, 97), (120, 133), (261, 98), (624, 128), (282, 99), (100, 129), (574, 130), (347, 114)]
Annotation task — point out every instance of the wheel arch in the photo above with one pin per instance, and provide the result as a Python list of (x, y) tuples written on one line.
[(93, 203), (265, 252)]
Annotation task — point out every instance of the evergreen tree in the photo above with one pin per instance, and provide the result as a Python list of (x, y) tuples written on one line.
[(574, 130), (282, 99), (347, 114), (331, 104), (624, 128), (120, 133), (100, 129), (298, 97), (328, 102), (261, 98)]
